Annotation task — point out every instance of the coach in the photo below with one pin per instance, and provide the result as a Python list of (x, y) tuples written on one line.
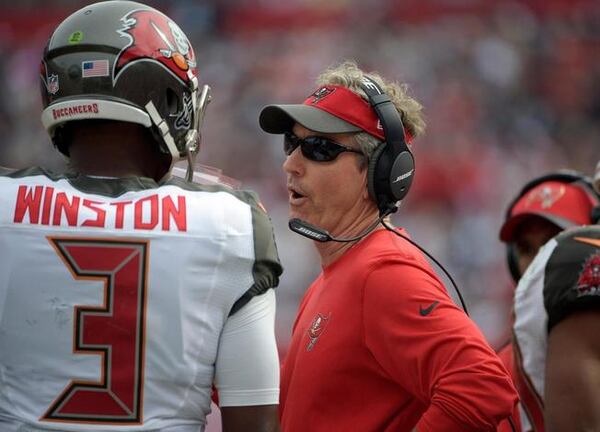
[(378, 343)]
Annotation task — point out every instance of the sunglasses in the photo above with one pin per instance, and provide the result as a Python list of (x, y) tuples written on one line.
[(315, 148)]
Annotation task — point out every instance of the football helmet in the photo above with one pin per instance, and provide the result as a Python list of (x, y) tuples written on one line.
[(125, 61)]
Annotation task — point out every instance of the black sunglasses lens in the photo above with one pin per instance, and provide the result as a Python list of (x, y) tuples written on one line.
[(290, 143), (320, 149), (314, 148)]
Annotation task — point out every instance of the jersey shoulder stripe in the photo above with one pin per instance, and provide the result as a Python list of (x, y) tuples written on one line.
[(267, 266)]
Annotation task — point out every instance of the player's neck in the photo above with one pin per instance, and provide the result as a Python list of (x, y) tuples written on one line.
[(116, 151)]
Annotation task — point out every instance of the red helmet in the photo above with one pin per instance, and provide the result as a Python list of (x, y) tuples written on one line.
[(125, 61)]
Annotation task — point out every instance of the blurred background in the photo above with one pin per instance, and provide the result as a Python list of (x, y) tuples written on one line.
[(511, 90)]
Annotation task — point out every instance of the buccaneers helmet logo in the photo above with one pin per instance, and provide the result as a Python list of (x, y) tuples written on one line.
[(154, 36)]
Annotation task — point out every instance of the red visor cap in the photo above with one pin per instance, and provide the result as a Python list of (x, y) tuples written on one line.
[(563, 204), (329, 109)]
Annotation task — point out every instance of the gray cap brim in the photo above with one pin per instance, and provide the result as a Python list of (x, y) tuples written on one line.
[(278, 119)]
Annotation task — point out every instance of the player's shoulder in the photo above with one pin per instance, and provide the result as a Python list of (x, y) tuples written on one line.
[(572, 273), (20, 173), (231, 202), (5, 171), (245, 196), (573, 246)]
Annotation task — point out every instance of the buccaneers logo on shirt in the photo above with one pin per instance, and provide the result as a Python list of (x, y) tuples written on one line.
[(589, 279), (153, 36), (316, 329)]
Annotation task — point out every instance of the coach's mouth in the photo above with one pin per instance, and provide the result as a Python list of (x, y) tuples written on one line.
[(296, 196)]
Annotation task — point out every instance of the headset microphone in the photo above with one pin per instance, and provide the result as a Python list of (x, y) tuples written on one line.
[(318, 234), (309, 231)]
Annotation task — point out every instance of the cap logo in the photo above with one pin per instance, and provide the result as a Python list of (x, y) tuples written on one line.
[(547, 196), (321, 94)]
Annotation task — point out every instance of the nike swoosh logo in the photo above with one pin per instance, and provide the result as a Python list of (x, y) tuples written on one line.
[(427, 311)]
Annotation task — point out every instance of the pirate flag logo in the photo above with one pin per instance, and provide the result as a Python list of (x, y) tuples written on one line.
[(588, 283), (316, 329), (546, 196), (320, 94)]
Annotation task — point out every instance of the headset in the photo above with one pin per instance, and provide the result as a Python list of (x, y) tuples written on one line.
[(392, 165), (563, 176)]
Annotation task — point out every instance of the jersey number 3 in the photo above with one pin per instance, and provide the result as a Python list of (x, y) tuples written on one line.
[(113, 330)]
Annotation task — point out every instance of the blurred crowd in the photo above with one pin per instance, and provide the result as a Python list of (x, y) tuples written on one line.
[(510, 88)]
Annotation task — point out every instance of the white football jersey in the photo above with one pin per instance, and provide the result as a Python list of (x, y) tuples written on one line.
[(113, 296), (562, 279)]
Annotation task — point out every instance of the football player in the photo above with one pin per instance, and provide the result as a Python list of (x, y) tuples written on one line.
[(557, 317), (545, 206), (125, 293)]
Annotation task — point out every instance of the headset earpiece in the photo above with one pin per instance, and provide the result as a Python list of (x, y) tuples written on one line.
[(391, 167), (401, 175)]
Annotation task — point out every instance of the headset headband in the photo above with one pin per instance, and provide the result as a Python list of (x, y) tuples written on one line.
[(389, 117)]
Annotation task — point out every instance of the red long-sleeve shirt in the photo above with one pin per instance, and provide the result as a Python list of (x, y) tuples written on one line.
[(378, 343)]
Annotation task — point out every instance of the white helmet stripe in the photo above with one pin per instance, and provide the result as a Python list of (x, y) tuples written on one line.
[(82, 109)]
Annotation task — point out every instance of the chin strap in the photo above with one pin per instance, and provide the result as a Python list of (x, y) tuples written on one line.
[(163, 129), (194, 135)]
